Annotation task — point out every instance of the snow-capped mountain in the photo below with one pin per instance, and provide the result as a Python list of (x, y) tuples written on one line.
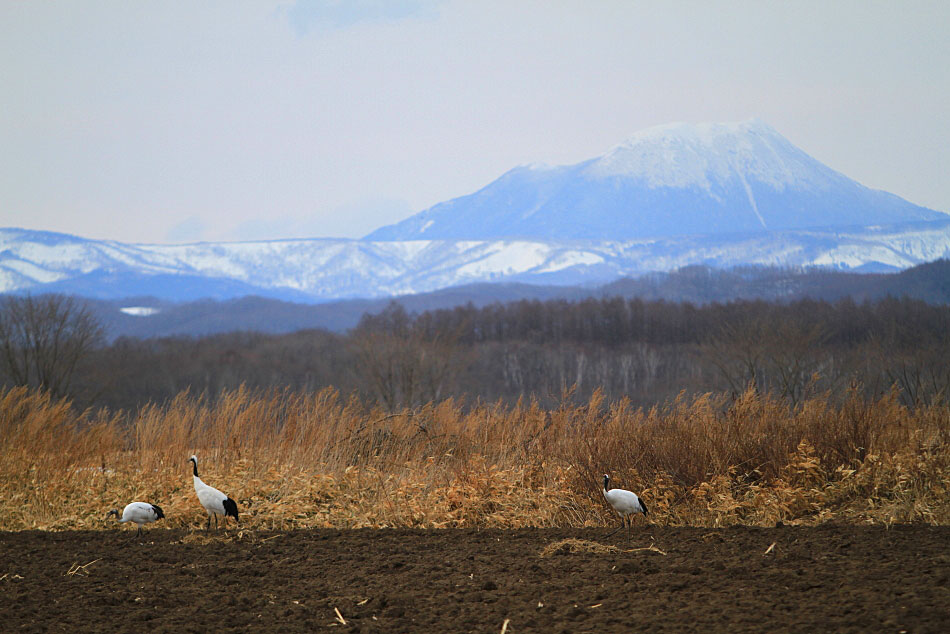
[(715, 194), (671, 180), (321, 270)]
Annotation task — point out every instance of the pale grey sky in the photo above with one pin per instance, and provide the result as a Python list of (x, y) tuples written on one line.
[(185, 121)]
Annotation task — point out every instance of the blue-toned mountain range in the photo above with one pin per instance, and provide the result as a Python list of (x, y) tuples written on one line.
[(719, 195)]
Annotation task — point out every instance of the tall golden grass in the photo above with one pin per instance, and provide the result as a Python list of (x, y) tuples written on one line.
[(320, 460)]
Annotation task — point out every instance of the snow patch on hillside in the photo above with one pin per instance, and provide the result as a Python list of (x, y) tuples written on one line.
[(140, 311), (506, 258), (569, 259)]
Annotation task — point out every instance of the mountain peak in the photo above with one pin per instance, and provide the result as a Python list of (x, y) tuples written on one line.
[(705, 155), (668, 180), (703, 132)]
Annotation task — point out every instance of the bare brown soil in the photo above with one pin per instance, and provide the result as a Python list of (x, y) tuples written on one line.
[(830, 578)]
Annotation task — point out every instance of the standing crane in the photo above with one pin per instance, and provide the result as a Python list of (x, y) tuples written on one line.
[(215, 502)]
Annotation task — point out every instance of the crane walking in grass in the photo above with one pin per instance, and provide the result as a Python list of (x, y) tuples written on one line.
[(626, 503), (138, 512), (215, 502)]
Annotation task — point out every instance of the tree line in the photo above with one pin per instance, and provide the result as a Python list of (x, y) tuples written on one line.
[(645, 351)]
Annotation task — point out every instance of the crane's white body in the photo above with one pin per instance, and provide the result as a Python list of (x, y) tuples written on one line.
[(624, 502), (214, 501), (210, 498), (139, 513)]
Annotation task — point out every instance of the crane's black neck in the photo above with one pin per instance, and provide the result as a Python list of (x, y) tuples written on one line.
[(194, 464), (606, 483)]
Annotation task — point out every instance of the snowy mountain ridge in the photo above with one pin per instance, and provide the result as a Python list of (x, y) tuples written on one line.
[(326, 269)]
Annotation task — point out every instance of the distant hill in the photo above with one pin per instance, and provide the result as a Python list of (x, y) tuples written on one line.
[(148, 317), (331, 270)]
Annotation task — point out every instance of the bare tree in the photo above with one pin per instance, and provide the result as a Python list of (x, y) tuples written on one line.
[(405, 371), (405, 365), (785, 356), (921, 373), (799, 356), (42, 340), (738, 351)]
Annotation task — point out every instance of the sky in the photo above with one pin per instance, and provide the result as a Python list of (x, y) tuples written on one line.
[(174, 122)]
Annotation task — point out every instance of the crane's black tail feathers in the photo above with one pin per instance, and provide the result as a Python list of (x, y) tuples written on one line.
[(643, 507), (230, 509), (159, 513)]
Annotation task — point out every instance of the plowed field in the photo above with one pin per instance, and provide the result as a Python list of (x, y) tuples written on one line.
[(830, 578)]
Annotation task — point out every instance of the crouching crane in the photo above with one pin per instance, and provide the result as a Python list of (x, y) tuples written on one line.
[(138, 512), (626, 503)]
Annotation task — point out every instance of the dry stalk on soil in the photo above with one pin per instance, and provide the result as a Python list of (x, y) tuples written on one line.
[(295, 460), (572, 545)]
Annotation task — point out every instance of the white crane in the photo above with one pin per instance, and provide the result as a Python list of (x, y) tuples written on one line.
[(138, 512), (215, 502), (626, 503)]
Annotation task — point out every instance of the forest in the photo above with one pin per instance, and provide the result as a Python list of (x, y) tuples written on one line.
[(647, 352)]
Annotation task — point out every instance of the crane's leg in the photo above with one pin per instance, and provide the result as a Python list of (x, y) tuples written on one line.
[(618, 528), (629, 522), (208, 527)]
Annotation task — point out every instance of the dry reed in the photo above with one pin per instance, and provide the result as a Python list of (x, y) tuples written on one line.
[(295, 460)]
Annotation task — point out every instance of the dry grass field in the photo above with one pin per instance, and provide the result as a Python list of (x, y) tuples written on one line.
[(322, 461), (828, 516)]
